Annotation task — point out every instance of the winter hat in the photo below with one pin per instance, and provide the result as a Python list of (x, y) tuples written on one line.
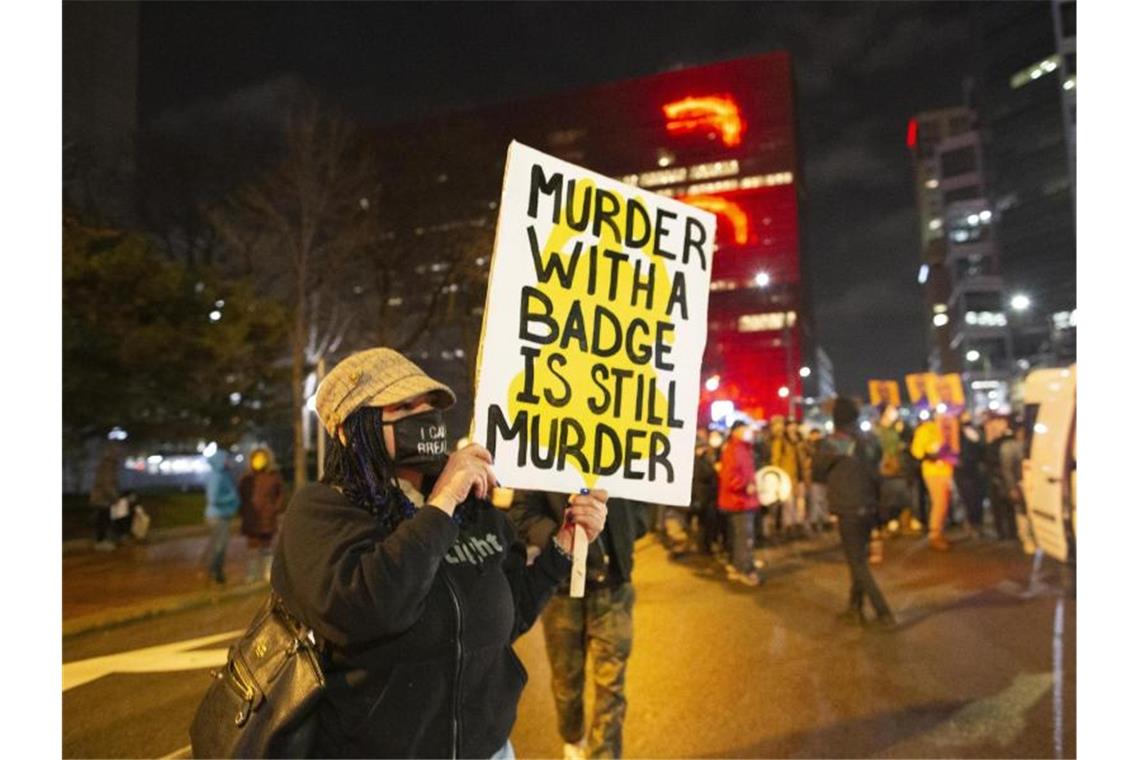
[(845, 413), (376, 377)]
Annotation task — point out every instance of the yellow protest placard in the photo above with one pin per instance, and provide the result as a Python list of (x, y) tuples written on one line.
[(593, 333), (945, 389), (916, 387), (884, 392)]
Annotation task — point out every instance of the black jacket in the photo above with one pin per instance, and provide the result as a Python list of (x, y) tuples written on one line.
[(609, 560), (849, 463), (705, 481), (416, 625)]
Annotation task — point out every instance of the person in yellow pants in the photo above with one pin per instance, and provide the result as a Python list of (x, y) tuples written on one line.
[(933, 445)]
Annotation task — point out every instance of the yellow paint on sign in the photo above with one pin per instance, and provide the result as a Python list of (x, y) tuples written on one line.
[(619, 392)]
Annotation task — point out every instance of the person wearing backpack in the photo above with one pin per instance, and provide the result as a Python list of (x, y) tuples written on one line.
[(850, 460), (222, 502)]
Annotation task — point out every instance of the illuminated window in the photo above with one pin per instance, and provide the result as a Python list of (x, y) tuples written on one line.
[(766, 180), (774, 320), (663, 177), (986, 318), (718, 113), (720, 186), (714, 169), (722, 285), (1063, 320), (1035, 71)]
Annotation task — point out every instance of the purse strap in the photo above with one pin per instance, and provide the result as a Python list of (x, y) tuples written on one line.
[(304, 634)]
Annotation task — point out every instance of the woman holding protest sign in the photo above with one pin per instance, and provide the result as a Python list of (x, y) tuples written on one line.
[(415, 585)]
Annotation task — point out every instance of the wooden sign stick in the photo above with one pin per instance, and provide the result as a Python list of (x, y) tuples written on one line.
[(578, 551)]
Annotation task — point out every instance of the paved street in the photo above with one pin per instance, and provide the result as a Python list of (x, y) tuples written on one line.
[(983, 664)]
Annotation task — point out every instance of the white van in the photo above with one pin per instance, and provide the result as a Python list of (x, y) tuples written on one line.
[(1049, 471)]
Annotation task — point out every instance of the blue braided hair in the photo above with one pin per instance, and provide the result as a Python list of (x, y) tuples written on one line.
[(364, 471)]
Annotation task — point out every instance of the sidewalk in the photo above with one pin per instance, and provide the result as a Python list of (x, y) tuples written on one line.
[(136, 581)]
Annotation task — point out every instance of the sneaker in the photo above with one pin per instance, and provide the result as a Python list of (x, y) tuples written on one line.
[(939, 543), (748, 579), (915, 526), (575, 751), (893, 527)]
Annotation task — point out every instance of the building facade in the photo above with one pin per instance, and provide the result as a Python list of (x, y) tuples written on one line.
[(1025, 96), (721, 137)]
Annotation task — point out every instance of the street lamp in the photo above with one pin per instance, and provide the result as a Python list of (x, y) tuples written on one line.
[(712, 383), (783, 392), (1020, 302), (972, 355), (805, 371), (940, 320), (762, 279)]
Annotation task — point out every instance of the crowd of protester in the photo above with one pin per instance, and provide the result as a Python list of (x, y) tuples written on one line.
[(756, 484), (764, 483)]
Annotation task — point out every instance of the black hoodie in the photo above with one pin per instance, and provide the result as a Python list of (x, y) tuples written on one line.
[(417, 625)]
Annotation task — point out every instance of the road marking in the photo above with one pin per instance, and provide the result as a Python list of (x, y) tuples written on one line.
[(999, 719), (178, 754), (160, 659)]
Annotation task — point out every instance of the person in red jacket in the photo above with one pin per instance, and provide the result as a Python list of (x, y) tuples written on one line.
[(737, 500)]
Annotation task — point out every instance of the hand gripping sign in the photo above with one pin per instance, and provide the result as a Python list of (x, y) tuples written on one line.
[(593, 333)]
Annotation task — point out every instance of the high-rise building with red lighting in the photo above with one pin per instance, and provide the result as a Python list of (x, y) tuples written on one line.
[(721, 137)]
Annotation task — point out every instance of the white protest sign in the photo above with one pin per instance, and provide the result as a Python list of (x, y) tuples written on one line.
[(593, 334)]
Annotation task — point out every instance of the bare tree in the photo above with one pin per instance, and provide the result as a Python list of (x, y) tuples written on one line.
[(301, 228)]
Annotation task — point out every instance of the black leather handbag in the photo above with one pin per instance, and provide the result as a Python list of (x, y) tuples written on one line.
[(262, 703)]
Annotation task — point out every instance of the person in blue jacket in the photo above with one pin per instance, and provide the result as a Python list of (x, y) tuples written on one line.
[(222, 502)]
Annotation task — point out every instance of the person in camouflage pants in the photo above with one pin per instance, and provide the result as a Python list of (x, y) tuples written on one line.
[(599, 626), (597, 629)]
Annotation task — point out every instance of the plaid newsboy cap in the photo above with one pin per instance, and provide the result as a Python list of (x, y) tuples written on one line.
[(376, 377)]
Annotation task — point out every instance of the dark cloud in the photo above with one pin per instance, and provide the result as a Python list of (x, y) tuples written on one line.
[(257, 106), (862, 69), (856, 158)]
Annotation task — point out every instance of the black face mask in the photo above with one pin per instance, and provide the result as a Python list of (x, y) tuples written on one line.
[(421, 442)]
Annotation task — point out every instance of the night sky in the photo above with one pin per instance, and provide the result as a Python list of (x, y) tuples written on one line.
[(861, 69)]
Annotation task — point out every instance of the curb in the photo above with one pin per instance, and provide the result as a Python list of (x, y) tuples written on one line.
[(162, 605), (81, 545)]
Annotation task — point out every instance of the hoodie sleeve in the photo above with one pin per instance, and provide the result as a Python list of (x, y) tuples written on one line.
[(533, 585), (349, 582)]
